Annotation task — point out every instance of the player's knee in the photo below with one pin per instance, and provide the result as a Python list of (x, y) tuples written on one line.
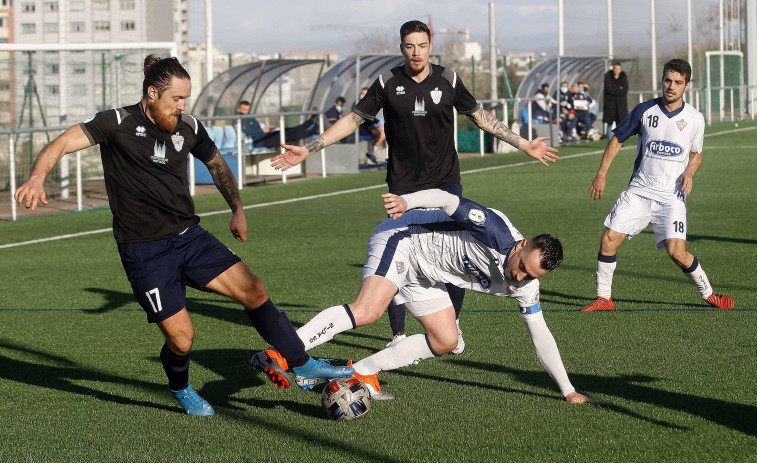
[(444, 344), (182, 345), (365, 314), (678, 256), (258, 292)]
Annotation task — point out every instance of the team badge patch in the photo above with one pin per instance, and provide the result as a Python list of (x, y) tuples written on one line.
[(400, 267), (400, 90), (159, 153), (436, 95), (141, 132), (420, 107), (477, 216), (681, 124), (178, 141)]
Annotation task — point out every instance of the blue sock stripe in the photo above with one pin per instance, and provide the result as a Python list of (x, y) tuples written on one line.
[(352, 317), (607, 259), (693, 267), (429, 346)]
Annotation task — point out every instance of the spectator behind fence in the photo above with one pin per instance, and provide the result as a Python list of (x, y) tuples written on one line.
[(582, 104), (371, 131), (544, 105), (568, 119), (252, 128), (263, 137), (615, 104), (335, 112)]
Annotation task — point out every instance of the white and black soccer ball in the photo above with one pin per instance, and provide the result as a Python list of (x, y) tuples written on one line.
[(346, 399)]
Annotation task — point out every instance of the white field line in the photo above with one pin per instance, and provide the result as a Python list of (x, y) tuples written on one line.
[(342, 192)]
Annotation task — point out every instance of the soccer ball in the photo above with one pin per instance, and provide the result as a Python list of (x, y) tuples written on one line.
[(346, 399)]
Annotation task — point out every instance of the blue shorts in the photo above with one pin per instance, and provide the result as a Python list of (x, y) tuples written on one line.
[(159, 271)]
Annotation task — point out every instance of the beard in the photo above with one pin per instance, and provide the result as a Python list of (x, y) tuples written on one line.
[(164, 121)]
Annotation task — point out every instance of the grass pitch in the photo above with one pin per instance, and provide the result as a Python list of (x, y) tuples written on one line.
[(80, 379)]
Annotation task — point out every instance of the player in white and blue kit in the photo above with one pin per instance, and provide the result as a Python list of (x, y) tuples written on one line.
[(669, 153), (410, 259)]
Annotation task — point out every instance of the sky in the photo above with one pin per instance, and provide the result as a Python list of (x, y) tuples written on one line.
[(276, 26)]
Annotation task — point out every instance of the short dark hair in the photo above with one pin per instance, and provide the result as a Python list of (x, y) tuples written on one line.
[(158, 73), (339, 99), (551, 250), (544, 85), (244, 102), (617, 63), (414, 26), (680, 66)]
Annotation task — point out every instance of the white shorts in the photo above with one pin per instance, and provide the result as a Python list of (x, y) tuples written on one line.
[(632, 213), (390, 256)]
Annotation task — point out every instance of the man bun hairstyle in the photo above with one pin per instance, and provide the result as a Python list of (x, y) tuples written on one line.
[(414, 26), (680, 66), (551, 250), (158, 73)]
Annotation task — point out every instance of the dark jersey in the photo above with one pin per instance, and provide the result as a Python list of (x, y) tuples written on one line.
[(419, 125), (146, 171)]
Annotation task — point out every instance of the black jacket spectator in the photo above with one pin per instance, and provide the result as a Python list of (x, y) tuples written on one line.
[(615, 105)]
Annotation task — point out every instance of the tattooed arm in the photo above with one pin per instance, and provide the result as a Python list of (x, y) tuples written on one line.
[(296, 154), (534, 148), (227, 186)]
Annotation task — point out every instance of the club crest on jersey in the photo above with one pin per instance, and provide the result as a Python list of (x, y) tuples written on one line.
[(178, 141), (420, 107), (436, 95), (400, 267), (400, 90), (159, 153), (477, 216), (664, 148), (141, 132), (681, 124)]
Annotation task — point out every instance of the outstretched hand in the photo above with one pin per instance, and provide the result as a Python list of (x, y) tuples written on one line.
[(293, 156), (395, 205), (576, 398), (541, 152)]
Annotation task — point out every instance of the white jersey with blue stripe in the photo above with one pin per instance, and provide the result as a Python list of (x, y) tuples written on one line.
[(666, 138), (469, 249)]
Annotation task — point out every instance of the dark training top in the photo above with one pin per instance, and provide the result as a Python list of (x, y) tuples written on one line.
[(419, 125), (146, 171)]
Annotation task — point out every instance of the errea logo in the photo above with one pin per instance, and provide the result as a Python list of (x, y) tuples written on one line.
[(400, 90), (141, 132)]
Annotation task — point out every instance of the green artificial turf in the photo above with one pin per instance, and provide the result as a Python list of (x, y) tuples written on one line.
[(80, 379)]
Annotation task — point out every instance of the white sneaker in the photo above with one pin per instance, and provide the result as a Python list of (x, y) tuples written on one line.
[(397, 338), (460, 341)]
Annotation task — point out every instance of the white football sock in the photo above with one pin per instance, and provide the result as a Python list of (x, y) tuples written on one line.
[(605, 272), (325, 325), (699, 278), (409, 351)]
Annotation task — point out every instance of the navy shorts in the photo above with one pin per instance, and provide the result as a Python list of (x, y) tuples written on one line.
[(159, 271)]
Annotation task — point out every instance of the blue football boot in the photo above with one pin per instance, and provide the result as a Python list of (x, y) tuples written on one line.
[(316, 371), (192, 402)]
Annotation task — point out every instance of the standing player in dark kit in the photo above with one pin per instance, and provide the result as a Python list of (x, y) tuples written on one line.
[(144, 150), (418, 100)]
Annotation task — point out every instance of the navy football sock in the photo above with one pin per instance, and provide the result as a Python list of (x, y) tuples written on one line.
[(176, 367), (396, 318), (456, 295), (276, 329)]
